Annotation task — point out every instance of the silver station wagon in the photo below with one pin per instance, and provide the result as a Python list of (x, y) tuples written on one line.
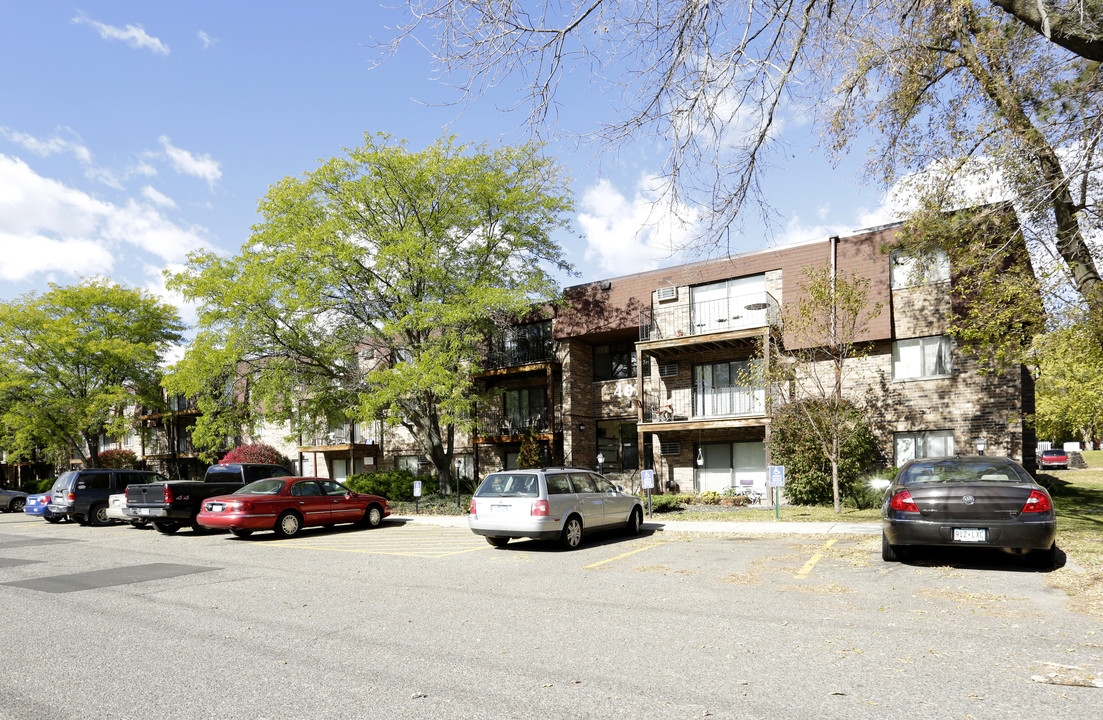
[(551, 504)]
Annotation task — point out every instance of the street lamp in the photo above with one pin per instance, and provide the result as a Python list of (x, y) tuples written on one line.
[(981, 445), (600, 464), (459, 463)]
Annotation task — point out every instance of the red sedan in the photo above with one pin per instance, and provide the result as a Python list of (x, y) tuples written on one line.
[(288, 504)]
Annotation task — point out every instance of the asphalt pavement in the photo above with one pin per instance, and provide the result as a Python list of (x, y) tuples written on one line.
[(757, 529)]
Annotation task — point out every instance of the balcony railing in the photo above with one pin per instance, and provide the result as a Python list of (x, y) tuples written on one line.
[(512, 357), (695, 404), (498, 423), (740, 312)]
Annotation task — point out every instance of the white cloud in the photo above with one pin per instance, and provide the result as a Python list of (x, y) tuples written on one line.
[(48, 227), (185, 163), (207, 40), (51, 146), (133, 35), (157, 198), (640, 233)]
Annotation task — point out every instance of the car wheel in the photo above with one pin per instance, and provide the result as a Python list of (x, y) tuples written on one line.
[(241, 532), (166, 527), (635, 520), (373, 516), (572, 533), (497, 541), (288, 525), (890, 553), (97, 516), (17, 504)]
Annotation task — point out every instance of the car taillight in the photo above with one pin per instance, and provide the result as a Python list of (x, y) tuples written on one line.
[(903, 501), (168, 495), (1038, 502), (244, 506), (471, 510), (540, 508), (71, 497)]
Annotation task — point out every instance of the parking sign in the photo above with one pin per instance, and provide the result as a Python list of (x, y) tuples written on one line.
[(777, 476)]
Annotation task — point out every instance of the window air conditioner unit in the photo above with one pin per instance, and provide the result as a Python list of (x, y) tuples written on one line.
[(670, 448), (666, 293), (668, 370)]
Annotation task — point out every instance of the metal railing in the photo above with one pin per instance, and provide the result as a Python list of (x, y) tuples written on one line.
[(501, 357), (740, 312), (500, 423), (694, 404)]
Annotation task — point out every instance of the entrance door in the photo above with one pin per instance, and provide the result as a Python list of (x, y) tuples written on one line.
[(750, 465)]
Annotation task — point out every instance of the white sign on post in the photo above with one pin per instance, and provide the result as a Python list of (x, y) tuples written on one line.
[(417, 488), (777, 476), (647, 479)]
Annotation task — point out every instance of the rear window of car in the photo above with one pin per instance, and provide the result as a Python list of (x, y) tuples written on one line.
[(962, 471), (1053, 453), (262, 487), (509, 485)]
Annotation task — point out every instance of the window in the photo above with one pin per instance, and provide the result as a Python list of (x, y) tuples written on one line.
[(408, 462), (525, 408), (729, 304), (932, 443), (615, 361), (922, 357), (727, 388), (531, 342), (910, 270)]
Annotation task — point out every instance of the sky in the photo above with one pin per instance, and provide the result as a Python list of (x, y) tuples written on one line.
[(133, 133)]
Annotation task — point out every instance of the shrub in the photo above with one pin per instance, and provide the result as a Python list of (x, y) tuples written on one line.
[(118, 459), (395, 485), (793, 444), (709, 497), (256, 453), (666, 503)]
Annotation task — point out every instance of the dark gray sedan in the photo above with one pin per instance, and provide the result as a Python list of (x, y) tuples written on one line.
[(967, 501), (12, 500)]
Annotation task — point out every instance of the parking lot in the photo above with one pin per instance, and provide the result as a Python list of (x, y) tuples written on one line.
[(419, 620)]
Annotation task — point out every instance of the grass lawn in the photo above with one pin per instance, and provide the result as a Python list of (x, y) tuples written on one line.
[(1078, 495)]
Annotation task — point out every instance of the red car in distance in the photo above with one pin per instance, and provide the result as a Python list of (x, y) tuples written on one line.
[(1053, 459), (288, 504)]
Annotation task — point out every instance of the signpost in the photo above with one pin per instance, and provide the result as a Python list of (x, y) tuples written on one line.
[(647, 482), (417, 497), (777, 481)]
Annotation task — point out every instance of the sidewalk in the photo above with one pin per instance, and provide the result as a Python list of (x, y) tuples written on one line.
[(764, 528)]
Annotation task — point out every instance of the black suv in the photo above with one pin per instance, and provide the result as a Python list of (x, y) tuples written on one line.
[(81, 495)]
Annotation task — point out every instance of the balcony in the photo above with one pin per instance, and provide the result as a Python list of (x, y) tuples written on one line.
[(705, 406), (501, 358), (736, 313), (496, 423)]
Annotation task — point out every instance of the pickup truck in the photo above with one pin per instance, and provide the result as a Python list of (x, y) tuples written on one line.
[(173, 504)]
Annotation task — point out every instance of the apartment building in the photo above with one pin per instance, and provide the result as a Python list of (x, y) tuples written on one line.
[(650, 370)]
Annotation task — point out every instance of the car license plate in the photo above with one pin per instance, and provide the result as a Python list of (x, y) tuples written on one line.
[(499, 508), (144, 511), (216, 507), (970, 535)]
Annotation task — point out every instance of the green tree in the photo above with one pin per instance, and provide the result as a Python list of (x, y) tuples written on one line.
[(529, 455), (75, 359), (123, 459), (810, 475), (368, 287), (824, 326), (1069, 386)]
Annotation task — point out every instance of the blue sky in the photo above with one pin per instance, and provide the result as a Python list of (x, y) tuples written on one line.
[(132, 133)]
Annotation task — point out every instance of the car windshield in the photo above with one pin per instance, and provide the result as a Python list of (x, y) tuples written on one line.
[(269, 486), (509, 485), (962, 470)]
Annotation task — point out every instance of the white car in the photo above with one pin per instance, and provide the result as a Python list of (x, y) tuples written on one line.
[(550, 504), (116, 507)]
